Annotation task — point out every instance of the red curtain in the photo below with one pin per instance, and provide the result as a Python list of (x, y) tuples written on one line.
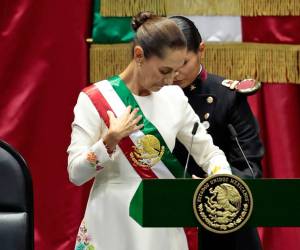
[(44, 65), (277, 108)]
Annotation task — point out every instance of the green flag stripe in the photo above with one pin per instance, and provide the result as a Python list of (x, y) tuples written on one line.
[(126, 96), (109, 30)]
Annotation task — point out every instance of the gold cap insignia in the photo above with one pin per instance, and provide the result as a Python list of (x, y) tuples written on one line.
[(222, 203)]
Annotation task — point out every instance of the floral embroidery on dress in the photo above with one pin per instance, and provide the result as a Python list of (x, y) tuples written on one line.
[(83, 239), (92, 159)]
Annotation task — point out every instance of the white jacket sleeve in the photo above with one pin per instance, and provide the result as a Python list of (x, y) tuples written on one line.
[(86, 152), (208, 156)]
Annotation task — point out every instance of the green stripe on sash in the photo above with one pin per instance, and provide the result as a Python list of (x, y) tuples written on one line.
[(126, 96)]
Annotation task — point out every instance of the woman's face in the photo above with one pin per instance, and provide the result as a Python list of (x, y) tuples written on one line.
[(189, 71), (156, 72)]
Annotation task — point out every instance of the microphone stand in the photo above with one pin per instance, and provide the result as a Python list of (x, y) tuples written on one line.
[(195, 128), (234, 135)]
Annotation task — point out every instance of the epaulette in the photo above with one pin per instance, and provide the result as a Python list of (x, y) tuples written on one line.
[(246, 86)]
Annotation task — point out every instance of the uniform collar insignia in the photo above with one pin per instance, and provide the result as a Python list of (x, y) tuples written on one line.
[(203, 73)]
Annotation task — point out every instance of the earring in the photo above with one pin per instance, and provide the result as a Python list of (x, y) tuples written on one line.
[(138, 53)]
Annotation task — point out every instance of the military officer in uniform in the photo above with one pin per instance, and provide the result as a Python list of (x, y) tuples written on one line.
[(223, 109)]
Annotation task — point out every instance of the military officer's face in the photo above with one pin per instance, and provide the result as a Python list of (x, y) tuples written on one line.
[(191, 68), (189, 71)]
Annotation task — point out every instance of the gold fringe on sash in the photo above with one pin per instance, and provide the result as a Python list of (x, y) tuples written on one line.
[(272, 63), (202, 7)]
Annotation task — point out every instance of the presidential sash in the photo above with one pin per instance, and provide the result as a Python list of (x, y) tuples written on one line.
[(145, 149)]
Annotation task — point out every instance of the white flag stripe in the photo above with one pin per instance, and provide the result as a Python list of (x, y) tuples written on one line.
[(219, 28)]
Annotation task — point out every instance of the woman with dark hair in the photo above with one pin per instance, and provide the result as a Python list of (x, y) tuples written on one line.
[(125, 129), (220, 107)]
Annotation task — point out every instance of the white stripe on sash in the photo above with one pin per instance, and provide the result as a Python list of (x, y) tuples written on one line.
[(117, 105)]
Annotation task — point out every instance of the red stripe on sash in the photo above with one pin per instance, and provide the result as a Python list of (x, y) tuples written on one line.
[(126, 144)]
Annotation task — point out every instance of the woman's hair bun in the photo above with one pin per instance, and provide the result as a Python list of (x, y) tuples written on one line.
[(141, 18)]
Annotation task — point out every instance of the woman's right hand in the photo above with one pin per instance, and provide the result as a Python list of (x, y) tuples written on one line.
[(122, 126)]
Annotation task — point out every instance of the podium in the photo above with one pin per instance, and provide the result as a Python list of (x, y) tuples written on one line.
[(169, 203)]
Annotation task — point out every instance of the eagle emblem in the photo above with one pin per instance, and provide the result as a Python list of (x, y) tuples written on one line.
[(147, 152), (222, 203)]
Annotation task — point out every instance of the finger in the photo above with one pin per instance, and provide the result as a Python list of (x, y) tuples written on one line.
[(195, 177), (138, 127), (133, 113), (126, 113), (128, 110), (111, 115), (136, 120)]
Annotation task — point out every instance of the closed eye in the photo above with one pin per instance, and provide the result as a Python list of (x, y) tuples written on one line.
[(165, 72)]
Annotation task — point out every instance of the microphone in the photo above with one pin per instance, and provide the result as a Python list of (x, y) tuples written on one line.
[(194, 131), (234, 135)]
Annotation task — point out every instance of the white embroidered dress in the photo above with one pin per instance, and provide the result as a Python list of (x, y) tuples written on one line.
[(106, 223)]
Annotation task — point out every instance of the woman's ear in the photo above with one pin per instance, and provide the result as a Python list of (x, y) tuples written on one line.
[(138, 55), (201, 50)]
